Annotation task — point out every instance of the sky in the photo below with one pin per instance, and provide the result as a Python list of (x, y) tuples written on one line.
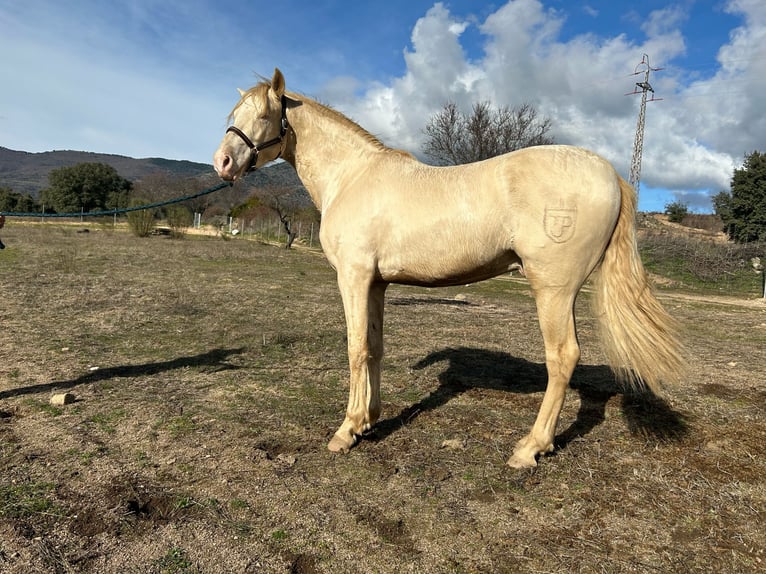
[(157, 78)]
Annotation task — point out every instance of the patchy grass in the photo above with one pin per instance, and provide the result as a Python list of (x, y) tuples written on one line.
[(26, 500), (174, 561), (702, 264), (210, 375)]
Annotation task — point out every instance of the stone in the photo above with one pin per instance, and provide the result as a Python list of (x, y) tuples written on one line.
[(454, 444), (61, 399)]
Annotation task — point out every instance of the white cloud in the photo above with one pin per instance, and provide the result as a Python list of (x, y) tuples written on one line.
[(437, 71), (590, 11), (693, 138), (158, 79)]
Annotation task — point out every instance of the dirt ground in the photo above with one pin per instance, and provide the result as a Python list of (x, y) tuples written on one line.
[(209, 375)]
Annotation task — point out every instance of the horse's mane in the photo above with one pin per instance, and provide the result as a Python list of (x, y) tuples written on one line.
[(260, 89)]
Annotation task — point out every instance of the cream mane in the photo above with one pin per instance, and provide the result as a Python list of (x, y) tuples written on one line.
[(261, 89)]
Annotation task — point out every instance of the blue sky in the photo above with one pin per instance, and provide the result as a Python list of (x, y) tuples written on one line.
[(157, 78)]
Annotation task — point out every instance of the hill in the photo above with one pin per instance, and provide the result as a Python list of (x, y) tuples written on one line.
[(27, 173)]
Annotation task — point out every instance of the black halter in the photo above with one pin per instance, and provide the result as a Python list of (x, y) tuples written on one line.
[(254, 149)]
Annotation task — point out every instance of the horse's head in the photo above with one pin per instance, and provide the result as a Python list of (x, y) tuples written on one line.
[(258, 124)]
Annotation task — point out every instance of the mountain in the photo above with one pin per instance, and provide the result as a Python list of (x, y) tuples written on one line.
[(27, 173)]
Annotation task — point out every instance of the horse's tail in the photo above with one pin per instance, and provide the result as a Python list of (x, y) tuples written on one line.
[(639, 337)]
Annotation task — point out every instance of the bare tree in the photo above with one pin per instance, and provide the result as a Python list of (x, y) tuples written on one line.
[(455, 138), (283, 201), (283, 204)]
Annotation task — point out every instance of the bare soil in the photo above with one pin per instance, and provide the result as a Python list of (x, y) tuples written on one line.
[(210, 374)]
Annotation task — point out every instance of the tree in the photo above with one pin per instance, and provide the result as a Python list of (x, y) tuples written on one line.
[(676, 211), (284, 202), (11, 201), (161, 186), (86, 187), (743, 209), (455, 138), (289, 204)]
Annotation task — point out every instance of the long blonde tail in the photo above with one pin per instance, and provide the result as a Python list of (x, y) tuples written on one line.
[(639, 337)]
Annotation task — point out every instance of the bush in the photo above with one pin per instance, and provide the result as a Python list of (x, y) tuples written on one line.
[(701, 264), (141, 222), (676, 211), (179, 218)]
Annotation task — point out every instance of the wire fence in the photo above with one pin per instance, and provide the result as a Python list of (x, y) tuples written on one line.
[(116, 211)]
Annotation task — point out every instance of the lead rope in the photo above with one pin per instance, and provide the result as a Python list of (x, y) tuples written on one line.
[(106, 212)]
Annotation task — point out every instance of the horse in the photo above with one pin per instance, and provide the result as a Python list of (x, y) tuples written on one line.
[(560, 214)]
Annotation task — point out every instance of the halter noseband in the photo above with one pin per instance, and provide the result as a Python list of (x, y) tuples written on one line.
[(254, 149)]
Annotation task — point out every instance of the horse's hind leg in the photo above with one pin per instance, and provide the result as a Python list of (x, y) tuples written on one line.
[(363, 305), (555, 308)]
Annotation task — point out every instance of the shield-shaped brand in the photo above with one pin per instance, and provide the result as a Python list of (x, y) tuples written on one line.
[(560, 223)]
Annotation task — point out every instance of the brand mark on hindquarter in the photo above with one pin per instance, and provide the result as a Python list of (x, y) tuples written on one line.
[(560, 223)]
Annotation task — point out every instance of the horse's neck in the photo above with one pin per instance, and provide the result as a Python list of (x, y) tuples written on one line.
[(327, 149)]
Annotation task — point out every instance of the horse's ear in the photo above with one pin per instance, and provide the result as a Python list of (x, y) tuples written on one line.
[(241, 93), (278, 83)]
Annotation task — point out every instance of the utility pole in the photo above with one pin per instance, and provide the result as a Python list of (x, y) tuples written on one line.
[(642, 88)]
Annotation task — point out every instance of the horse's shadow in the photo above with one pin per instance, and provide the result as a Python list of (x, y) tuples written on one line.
[(467, 368), (216, 360)]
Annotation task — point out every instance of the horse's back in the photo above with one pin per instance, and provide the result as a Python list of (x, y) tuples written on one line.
[(543, 197), (558, 173)]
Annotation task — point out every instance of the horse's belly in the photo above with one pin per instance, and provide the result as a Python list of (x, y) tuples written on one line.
[(435, 268)]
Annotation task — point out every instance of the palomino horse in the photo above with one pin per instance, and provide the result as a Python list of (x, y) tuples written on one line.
[(559, 213)]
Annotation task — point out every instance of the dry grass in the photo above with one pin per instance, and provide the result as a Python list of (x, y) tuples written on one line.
[(210, 374)]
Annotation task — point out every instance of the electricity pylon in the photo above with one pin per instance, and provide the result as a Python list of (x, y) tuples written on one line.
[(642, 88)]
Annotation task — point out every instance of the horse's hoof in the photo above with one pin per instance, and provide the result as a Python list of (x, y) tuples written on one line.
[(339, 444), (520, 461)]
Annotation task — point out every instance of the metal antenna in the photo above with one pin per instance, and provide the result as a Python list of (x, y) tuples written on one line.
[(642, 88)]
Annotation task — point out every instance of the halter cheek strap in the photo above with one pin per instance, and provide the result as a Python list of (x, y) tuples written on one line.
[(254, 149)]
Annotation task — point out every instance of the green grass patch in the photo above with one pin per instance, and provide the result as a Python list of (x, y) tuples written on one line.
[(703, 266), (24, 500), (279, 535), (175, 561), (44, 407), (107, 421), (181, 425)]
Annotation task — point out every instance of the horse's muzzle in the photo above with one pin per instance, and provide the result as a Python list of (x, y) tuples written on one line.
[(225, 166)]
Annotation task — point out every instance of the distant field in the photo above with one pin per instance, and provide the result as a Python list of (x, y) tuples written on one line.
[(209, 376)]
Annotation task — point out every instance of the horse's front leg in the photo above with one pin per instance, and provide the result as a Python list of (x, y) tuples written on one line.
[(363, 305)]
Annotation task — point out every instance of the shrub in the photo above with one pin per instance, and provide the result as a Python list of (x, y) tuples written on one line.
[(179, 218), (141, 222), (701, 264), (676, 211)]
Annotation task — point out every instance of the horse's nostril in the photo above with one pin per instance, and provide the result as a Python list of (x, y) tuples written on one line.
[(222, 162)]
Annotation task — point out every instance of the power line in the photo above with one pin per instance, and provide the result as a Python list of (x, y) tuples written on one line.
[(642, 88)]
